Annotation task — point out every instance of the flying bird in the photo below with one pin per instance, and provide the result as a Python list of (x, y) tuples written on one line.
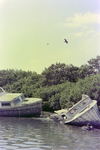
[(66, 41)]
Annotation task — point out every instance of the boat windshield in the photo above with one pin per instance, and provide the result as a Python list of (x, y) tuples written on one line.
[(22, 97), (17, 101)]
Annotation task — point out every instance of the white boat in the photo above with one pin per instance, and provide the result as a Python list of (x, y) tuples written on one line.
[(16, 105), (85, 111)]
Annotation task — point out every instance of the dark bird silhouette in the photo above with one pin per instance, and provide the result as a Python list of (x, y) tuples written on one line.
[(66, 41), (47, 43)]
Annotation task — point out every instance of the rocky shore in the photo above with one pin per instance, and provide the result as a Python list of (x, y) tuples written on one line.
[(57, 116)]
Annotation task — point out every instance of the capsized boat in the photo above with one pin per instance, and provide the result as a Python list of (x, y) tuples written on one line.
[(83, 112), (16, 105)]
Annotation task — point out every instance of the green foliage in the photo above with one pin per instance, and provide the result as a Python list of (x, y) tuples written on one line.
[(59, 86), (60, 73), (85, 71), (54, 102), (65, 95), (95, 64)]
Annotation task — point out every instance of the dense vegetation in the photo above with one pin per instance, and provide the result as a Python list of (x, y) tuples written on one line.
[(60, 85)]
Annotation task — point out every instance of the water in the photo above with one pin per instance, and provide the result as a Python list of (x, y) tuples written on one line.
[(42, 134)]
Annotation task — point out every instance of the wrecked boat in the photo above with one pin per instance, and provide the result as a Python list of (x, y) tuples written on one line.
[(83, 112), (16, 105)]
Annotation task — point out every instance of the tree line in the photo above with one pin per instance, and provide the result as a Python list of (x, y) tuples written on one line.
[(59, 85)]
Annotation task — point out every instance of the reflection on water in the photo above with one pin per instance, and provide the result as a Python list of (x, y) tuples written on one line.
[(36, 134)]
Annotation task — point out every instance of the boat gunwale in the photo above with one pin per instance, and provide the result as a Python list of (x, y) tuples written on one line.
[(79, 103)]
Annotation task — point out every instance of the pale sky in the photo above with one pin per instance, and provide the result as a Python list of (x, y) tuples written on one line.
[(26, 26)]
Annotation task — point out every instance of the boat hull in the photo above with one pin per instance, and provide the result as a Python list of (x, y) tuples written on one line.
[(29, 110), (89, 115)]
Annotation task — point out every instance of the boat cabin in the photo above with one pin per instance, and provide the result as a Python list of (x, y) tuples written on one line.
[(11, 99)]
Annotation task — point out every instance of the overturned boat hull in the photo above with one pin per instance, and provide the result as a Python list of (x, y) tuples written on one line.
[(89, 114), (84, 112)]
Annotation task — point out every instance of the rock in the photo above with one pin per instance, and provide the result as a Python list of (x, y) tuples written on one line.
[(59, 115), (88, 127), (56, 117)]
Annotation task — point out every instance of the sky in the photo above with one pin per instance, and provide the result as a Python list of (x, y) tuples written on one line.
[(32, 33)]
